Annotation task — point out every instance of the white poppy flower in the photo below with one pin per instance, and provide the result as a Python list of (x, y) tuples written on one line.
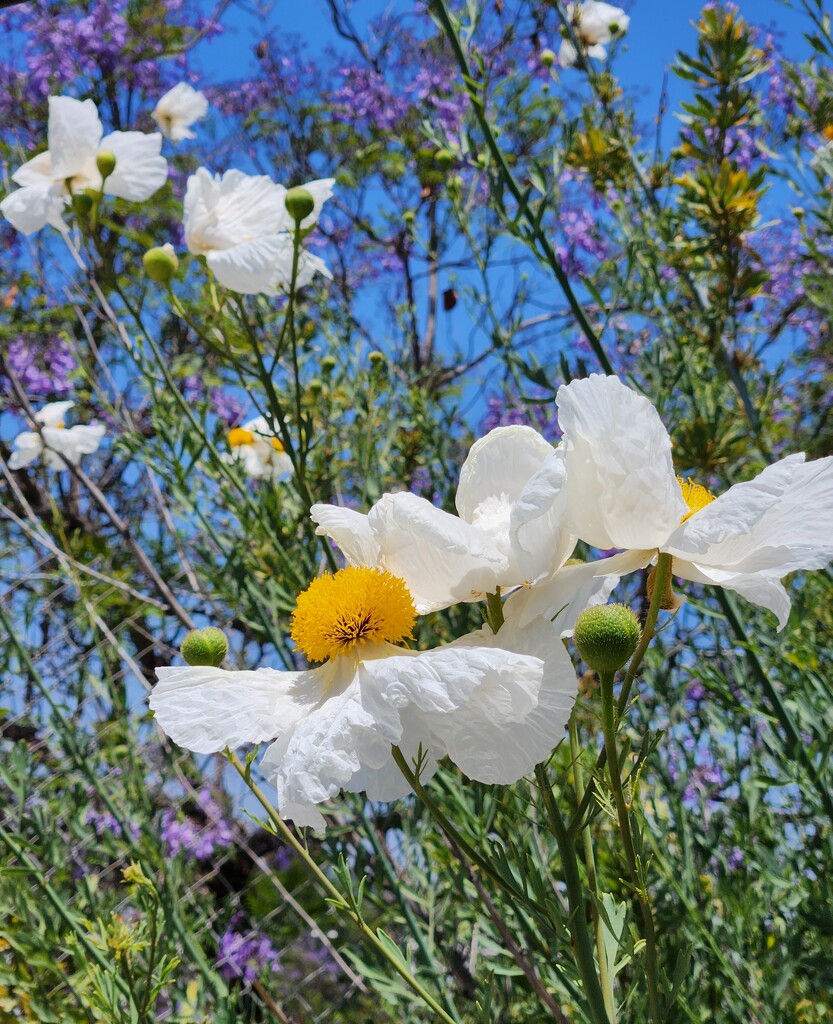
[(512, 531), (178, 109), (495, 711), (259, 450), (240, 224), (69, 166), (624, 493), (54, 439), (595, 24)]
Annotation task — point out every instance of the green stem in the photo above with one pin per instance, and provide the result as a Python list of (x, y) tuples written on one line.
[(609, 722), (508, 885), (582, 944), (662, 574), (592, 882), (333, 892), (537, 233)]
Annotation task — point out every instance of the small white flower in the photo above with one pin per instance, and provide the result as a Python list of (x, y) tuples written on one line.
[(54, 439), (496, 712), (177, 110), (240, 224), (595, 25), (69, 166), (624, 493), (261, 453)]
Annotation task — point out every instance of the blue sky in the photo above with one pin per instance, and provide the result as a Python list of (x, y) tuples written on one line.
[(659, 28)]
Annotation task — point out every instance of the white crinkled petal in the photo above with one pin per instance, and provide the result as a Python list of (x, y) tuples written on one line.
[(79, 440), (350, 530), (763, 588), (37, 171), (32, 207), (567, 54), (74, 134), (208, 709), (442, 559), (623, 491), (230, 210), (777, 523), (248, 268), (539, 531), (497, 469), (573, 588), (443, 680), (338, 739), (27, 448), (140, 170), (180, 107), (489, 740), (53, 414)]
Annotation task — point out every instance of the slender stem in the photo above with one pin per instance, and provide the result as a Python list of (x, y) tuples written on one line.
[(609, 722), (661, 577), (405, 907), (592, 882), (333, 892), (582, 945), (537, 233), (508, 885)]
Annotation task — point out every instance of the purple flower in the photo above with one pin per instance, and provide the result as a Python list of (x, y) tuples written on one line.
[(43, 369), (198, 836), (244, 954), (229, 408)]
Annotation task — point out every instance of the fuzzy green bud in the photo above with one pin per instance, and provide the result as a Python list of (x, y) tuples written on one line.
[(160, 263), (408, 217), (299, 204), (205, 647), (547, 58), (444, 159), (106, 163), (328, 364), (316, 386), (377, 360), (606, 636)]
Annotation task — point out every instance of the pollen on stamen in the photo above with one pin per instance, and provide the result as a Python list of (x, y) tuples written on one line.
[(239, 437), (340, 613), (695, 496)]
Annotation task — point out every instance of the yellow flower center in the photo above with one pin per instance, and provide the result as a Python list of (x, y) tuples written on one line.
[(239, 437), (276, 444), (342, 612), (60, 425), (695, 496), (827, 132)]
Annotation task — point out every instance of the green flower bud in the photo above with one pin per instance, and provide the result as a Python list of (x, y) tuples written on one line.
[(444, 159), (299, 204), (606, 636), (82, 203), (205, 647), (160, 263), (408, 217), (106, 163), (547, 58), (377, 360), (328, 364), (316, 386)]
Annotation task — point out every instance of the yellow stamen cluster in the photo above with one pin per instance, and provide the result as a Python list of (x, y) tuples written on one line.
[(695, 496), (340, 613), (239, 437)]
